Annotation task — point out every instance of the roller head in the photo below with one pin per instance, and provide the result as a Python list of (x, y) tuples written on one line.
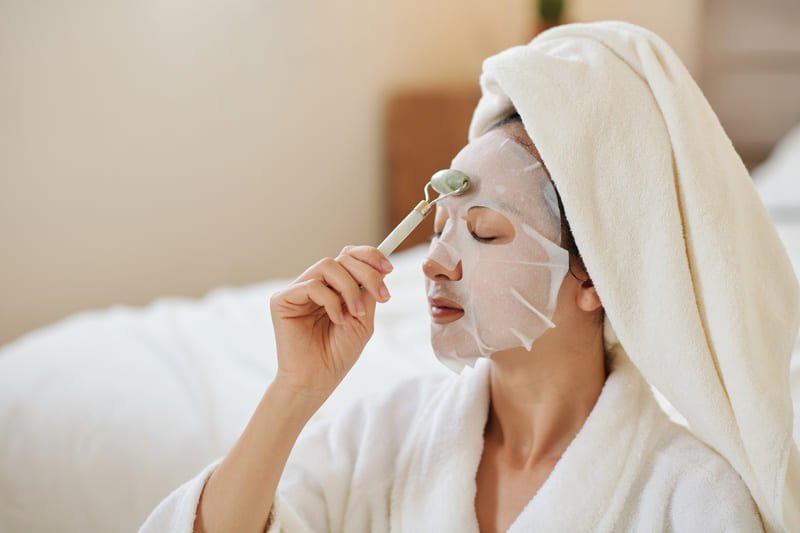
[(450, 181)]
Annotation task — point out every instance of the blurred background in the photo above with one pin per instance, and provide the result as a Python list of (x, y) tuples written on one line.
[(153, 152), (166, 148)]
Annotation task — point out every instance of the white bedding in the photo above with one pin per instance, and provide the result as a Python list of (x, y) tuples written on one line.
[(778, 183), (104, 413)]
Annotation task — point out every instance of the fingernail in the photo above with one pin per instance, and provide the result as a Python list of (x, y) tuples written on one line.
[(360, 308), (384, 293), (387, 266)]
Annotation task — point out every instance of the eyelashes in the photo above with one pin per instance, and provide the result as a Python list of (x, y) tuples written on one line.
[(437, 234)]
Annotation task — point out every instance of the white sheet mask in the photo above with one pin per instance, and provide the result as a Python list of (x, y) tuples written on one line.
[(508, 290)]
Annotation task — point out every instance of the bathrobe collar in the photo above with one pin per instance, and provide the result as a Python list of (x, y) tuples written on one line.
[(607, 453)]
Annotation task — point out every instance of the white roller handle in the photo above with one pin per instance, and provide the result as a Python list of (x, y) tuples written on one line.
[(404, 228)]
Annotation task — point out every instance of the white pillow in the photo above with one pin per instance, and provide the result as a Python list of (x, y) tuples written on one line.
[(778, 178), (778, 182)]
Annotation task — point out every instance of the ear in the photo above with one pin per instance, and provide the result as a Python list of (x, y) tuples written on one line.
[(586, 297)]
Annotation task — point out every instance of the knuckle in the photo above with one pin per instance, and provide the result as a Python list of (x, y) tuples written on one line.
[(278, 300), (366, 251), (278, 295)]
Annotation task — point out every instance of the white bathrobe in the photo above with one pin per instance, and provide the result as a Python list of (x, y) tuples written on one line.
[(406, 461)]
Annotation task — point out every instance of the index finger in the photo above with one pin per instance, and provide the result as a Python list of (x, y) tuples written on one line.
[(370, 255)]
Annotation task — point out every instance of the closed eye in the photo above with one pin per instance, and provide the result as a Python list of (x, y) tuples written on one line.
[(437, 234), (481, 239)]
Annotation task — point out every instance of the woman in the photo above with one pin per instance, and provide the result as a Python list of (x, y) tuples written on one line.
[(553, 429)]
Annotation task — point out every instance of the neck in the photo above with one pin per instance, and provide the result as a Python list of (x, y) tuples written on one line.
[(540, 399)]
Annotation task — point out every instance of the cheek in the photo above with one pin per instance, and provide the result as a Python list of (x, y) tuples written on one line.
[(509, 279), (514, 309), (532, 247), (494, 284)]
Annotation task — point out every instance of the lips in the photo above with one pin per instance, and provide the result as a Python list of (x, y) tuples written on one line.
[(445, 303), (444, 310)]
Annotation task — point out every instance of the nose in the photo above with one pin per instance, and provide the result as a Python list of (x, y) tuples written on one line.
[(436, 272)]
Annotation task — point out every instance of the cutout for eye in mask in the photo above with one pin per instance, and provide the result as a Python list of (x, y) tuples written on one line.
[(508, 290)]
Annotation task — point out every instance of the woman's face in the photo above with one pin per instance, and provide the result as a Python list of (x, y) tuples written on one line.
[(494, 266)]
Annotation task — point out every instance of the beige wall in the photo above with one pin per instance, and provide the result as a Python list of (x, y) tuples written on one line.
[(679, 22), (151, 148)]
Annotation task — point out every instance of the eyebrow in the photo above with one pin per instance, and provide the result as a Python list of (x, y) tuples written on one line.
[(502, 205)]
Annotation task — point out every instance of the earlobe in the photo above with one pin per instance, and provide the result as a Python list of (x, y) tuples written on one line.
[(588, 300)]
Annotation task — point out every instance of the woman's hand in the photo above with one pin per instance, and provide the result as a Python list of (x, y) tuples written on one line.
[(318, 341), (322, 320)]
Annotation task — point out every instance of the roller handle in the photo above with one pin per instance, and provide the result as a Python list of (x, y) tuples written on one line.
[(404, 228)]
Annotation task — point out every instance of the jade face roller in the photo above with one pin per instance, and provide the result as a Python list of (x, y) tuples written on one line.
[(447, 182)]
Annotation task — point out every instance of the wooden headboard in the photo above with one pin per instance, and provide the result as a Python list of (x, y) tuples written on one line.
[(424, 131)]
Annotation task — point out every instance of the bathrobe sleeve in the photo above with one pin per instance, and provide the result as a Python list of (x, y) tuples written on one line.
[(339, 474), (177, 511)]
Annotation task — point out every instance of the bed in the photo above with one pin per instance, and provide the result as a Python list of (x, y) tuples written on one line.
[(105, 412)]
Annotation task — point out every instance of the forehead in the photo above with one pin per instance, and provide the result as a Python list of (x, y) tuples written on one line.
[(504, 176)]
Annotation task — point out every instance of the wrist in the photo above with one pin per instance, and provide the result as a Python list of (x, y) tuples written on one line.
[(297, 399), (298, 384)]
